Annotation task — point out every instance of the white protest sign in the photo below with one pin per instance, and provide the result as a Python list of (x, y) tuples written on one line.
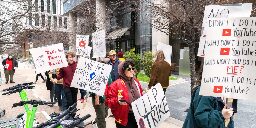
[(222, 11), (82, 42), (151, 109), (167, 49), (230, 59), (91, 76), (99, 44), (49, 57)]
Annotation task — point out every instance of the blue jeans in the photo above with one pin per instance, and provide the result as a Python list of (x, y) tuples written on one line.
[(63, 100)]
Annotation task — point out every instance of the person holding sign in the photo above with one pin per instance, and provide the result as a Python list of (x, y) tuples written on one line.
[(121, 93), (161, 70), (67, 74), (207, 111)]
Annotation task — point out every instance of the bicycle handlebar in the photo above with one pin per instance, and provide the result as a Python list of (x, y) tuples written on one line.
[(78, 121), (68, 111), (32, 102), (18, 89), (17, 86)]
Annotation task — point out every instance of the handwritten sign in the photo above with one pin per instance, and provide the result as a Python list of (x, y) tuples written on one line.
[(167, 49), (82, 42), (220, 11), (230, 58), (91, 76), (99, 44), (151, 109), (48, 58)]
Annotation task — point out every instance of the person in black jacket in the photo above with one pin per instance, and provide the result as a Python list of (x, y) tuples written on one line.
[(10, 65)]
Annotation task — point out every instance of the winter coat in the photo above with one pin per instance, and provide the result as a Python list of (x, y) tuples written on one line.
[(205, 112), (48, 82), (160, 73), (14, 63), (114, 71), (117, 88), (67, 74)]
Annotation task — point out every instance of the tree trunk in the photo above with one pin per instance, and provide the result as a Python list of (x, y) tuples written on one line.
[(192, 58)]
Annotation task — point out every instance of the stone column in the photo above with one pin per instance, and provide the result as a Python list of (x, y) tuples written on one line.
[(72, 31), (100, 14)]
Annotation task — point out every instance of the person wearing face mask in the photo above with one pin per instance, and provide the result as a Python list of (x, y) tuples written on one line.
[(67, 73), (10, 65), (121, 93)]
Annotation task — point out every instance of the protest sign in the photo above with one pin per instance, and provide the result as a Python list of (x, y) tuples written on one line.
[(167, 49), (151, 109), (231, 71), (91, 76), (222, 11), (82, 42), (99, 44), (49, 57)]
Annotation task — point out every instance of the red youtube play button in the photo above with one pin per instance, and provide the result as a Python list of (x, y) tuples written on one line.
[(82, 43), (217, 89), (226, 32), (224, 51)]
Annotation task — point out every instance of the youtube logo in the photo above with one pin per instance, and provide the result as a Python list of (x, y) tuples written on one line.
[(224, 51), (82, 43), (226, 32), (217, 89)]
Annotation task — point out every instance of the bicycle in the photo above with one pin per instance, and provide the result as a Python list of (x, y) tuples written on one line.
[(30, 114), (63, 120)]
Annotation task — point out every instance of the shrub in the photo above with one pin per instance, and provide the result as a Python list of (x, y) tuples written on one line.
[(136, 58), (147, 62)]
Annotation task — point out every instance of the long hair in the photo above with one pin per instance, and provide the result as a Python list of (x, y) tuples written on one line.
[(159, 56)]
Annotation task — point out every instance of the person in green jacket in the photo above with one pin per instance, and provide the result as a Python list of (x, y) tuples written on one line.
[(207, 111)]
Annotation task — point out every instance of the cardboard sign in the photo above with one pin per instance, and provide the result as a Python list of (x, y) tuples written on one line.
[(230, 58), (99, 44), (167, 49), (82, 42), (219, 11), (151, 109), (91, 76), (49, 57)]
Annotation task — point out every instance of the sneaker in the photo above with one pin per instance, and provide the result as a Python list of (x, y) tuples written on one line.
[(12, 82), (6, 82)]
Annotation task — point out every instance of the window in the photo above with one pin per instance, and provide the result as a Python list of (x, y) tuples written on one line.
[(49, 21), (43, 20), (60, 22), (54, 6), (48, 6), (42, 5), (36, 5), (36, 19), (65, 23), (54, 21), (30, 18)]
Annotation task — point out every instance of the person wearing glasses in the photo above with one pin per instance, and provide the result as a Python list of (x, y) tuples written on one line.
[(121, 93), (160, 72)]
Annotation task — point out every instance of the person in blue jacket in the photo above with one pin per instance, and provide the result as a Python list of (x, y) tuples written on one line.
[(207, 111)]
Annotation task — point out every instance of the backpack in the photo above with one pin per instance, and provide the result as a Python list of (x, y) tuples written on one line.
[(190, 119)]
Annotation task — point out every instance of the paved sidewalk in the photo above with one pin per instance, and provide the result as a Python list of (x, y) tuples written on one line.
[(40, 92)]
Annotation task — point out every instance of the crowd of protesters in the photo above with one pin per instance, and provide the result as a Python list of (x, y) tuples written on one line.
[(123, 88)]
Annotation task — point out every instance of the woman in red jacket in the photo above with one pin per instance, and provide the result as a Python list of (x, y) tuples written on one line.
[(121, 93)]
